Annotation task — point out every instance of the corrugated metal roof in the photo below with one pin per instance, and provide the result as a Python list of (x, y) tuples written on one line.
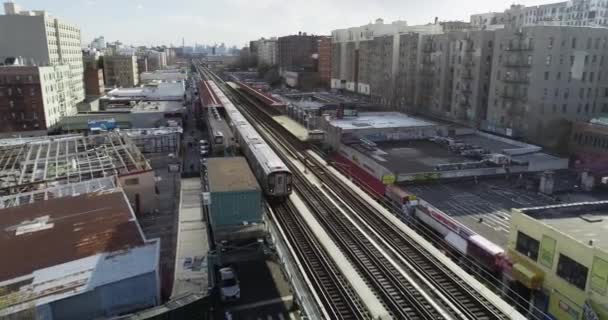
[(60, 230), (230, 174)]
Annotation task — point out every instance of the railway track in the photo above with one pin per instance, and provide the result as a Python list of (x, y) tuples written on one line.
[(340, 301), (402, 296)]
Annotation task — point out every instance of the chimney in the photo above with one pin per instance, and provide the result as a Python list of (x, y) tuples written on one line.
[(299, 33), (436, 19)]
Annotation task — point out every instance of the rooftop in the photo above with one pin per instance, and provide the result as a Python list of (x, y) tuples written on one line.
[(587, 222), (57, 231), (230, 174), (413, 156), (33, 164), (159, 91), (158, 106), (485, 206), (379, 120)]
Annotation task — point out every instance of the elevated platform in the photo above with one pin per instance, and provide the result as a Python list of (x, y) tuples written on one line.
[(207, 97), (292, 126), (191, 270)]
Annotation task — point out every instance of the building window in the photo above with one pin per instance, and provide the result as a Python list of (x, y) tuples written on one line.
[(571, 60), (572, 271), (527, 245), (547, 75), (559, 76), (548, 60), (564, 108), (573, 43), (586, 59)]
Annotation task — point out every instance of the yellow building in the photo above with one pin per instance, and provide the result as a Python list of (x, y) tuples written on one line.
[(560, 253)]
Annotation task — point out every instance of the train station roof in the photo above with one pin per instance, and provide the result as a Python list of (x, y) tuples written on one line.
[(380, 120)]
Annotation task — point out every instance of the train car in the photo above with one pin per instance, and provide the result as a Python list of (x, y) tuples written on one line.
[(272, 174), (220, 134), (402, 199), (464, 240)]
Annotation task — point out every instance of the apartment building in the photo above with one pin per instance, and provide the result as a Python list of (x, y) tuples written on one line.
[(33, 99), (93, 75), (121, 71), (266, 51), (366, 59), (324, 58), (44, 41), (591, 13), (296, 52), (543, 77)]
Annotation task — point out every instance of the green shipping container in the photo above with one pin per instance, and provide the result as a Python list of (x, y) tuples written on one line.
[(236, 197), (235, 208)]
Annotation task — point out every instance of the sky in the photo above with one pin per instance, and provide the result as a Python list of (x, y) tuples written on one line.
[(236, 22)]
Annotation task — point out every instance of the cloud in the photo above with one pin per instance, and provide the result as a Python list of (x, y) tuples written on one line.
[(140, 6), (90, 2)]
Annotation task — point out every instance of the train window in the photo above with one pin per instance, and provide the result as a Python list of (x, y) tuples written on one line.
[(527, 245), (572, 271)]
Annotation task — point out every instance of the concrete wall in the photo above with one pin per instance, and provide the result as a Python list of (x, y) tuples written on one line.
[(142, 186)]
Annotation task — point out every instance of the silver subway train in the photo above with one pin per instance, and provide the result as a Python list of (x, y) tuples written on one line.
[(269, 169)]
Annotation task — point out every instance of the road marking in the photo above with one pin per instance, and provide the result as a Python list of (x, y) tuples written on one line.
[(281, 317), (262, 303)]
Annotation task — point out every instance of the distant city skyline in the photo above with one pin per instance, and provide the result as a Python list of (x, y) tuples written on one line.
[(236, 22)]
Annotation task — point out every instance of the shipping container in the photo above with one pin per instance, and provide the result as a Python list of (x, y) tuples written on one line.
[(235, 195)]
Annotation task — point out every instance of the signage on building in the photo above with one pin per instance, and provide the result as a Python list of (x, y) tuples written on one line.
[(388, 179), (102, 124)]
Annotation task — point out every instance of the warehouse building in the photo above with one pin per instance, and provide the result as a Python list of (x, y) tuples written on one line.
[(150, 92), (561, 258), (235, 211), (82, 255), (144, 114)]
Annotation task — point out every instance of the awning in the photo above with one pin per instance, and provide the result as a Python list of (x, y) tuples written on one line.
[(528, 277)]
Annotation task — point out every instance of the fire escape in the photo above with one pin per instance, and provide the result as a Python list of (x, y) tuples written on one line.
[(465, 104), (516, 65), (427, 74)]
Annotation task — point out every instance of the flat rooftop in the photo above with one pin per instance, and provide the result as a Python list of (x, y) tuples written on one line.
[(380, 120), (230, 175), (413, 156), (160, 91), (57, 231), (158, 106), (485, 206), (586, 222)]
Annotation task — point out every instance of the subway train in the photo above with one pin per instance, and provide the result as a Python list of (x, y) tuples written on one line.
[(273, 175)]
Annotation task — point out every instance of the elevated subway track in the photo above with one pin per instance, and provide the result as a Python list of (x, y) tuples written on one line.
[(333, 291), (378, 249)]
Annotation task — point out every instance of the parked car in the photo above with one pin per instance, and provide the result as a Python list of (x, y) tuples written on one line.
[(229, 285)]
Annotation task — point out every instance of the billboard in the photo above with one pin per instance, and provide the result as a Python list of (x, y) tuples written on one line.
[(102, 124)]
